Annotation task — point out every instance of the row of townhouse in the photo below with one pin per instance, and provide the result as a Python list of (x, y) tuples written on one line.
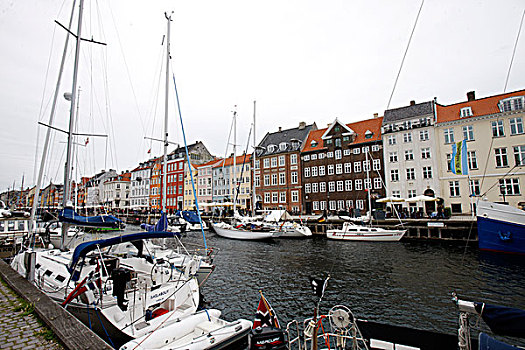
[(304, 169)]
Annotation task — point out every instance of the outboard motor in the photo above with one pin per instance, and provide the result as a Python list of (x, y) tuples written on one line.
[(267, 338), (120, 276)]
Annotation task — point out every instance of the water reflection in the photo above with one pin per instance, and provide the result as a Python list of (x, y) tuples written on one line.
[(404, 283)]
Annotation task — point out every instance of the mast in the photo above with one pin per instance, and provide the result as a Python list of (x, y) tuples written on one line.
[(67, 170), (254, 195), (234, 160), (165, 159), (38, 185), (369, 187)]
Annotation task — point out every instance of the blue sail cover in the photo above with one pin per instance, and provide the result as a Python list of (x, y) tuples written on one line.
[(488, 343), (503, 320), (190, 216), (161, 225), (82, 249), (69, 216)]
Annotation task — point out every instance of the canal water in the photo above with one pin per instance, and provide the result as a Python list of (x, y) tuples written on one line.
[(404, 283)]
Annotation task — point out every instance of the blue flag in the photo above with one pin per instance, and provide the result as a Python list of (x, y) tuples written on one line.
[(458, 163)]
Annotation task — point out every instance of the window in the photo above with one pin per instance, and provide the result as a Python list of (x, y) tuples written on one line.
[(314, 171), (349, 203), (375, 148), (425, 153), (348, 168), (347, 152), (427, 172), (329, 154), (313, 157), (516, 126), (295, 196), (360, 204), (266, 162), (315, 187), (368, 184), (321, 170), (322, 205), (423, 135), (332, 205), (348, 185), (257, 164), (339, 168), (340, 205), (306, 172), (409, 154), (281, 160), (293, 176), (338, 154), (293, 159), (331, 169), (331, 186), (407, 137), (449, 135), (282, 178), (321, 155), (393, 157), (468, 132), (501, 157), (474, 188), (274, 179), (510, 104), (275, 197), (257, 180), (267, 197), (391, 139), (282, 197), (497, 128), (377, 182), (394, 175), (471, 159), (449, 158), (465, 112), (356, 151), (454, 188), (274, 162), (315, 205), (509, 187), (358, 185), (519, 155), (322, 186), (366, 165), (411, 193), (357, 167), (376, 164), (307, 188), (339, 186), (282, 146), (411, 174)]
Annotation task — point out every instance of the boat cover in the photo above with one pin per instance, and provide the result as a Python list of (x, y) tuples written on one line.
[(488, 343), (503, 320), (161, 225), (68, 215), (82, 249), (190, 216)]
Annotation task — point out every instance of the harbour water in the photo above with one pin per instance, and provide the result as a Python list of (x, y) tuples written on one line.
[(403, 283)]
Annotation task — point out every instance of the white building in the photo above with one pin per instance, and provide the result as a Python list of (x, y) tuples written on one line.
[(117, 192), (140, 186), (95, 188)]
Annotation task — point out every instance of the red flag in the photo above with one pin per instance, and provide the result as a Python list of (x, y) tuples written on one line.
[(87, 141), (149, 151), (265, 316)]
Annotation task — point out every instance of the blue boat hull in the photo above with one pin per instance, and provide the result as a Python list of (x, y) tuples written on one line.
[(501, 236)]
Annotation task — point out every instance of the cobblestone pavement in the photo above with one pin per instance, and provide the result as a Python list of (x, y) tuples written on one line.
[(20, 329)]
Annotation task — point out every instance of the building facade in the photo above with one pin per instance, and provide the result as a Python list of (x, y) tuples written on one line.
[(117, 191), (340, 165), (140, 186)]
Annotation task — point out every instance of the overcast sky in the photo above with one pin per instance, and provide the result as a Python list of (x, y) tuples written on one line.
[(302, 60)]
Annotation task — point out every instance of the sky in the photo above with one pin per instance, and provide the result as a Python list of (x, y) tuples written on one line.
[(300, 60)]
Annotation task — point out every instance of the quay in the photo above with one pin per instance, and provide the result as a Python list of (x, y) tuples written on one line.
[(21, 330)]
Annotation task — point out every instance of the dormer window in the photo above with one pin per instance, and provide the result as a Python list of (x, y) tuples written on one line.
[(368, 134), (313, 144), (511, 104), (337, 128), (282, 146), (271, 148), (328, 142), (466, 112)]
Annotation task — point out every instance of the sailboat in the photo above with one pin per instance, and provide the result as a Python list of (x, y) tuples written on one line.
[(354, 232)]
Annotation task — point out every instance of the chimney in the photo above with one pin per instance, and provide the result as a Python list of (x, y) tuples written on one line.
[(280, 129), (412, 103), (471, 95), (302, 125), (376, 115)]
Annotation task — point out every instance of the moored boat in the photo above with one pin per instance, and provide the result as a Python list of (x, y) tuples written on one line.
[(353, 232), (244, 232)]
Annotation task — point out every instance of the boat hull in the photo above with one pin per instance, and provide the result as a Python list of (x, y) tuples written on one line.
[(501, 228), (366, 237), (233, 233)]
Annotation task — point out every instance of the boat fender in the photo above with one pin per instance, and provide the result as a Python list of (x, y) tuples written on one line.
[(190, 269)]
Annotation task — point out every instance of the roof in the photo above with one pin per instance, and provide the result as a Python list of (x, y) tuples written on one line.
[(229, 161), (412, 111), (211, 162), (284, 136), (479, 107), (360, 128)]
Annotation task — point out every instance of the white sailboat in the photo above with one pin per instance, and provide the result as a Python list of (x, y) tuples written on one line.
[(354, 232)]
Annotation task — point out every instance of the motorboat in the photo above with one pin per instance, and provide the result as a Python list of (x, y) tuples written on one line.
[(199, 331), (247, 231), (353, 232)]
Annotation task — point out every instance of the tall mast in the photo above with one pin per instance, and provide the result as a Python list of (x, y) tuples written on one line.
[(67, 170), (165, 159), (254, 196), (369, 187), (234, 160), (38, 185)]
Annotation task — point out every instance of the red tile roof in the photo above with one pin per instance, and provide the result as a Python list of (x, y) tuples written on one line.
[(229, 161), (479, 107), (374, 125)]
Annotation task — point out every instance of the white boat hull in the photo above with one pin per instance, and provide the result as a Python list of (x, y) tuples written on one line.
[(233, 233), (352, 232)]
